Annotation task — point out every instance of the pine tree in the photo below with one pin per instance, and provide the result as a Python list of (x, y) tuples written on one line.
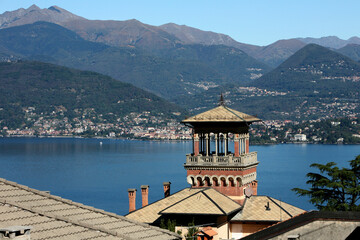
[(334, 188)]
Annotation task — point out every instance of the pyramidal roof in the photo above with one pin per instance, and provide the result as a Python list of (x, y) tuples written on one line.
[(221, 114), (197, 201), (264, 208), (208, 201)]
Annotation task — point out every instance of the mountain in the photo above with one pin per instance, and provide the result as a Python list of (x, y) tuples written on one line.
[(47, 87), (314, 68), (184, 68), (351, 50), (122, 33), (33, 14), (154, 39), (190, 35), (135, 33), (276, 53), (330, 41), (114, 33), (313, 83)]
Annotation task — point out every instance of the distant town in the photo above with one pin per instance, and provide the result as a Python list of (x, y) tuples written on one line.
[(157, 127)]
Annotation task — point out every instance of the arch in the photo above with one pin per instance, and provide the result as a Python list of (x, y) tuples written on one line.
[(199, 181), (207, 180), (239, 181), (223, 181), (191, 180), (215, 181), (231, 180)]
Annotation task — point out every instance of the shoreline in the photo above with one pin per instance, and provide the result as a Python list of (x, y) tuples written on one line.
[(162, 140)]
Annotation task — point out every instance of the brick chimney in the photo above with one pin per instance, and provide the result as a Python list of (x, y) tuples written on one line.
[(132, 199), (15, 232), (166, 189), (145, 195)]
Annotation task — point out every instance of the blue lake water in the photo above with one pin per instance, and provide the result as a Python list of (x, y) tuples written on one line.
[(99, 175)]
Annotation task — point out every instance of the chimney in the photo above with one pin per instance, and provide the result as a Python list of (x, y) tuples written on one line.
[(145, 195), (15, 232), (166, 189), (132, 199)]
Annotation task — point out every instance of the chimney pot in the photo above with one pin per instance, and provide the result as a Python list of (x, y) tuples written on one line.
[(145, 195), (166, 189), (15, 232), (132, 199)]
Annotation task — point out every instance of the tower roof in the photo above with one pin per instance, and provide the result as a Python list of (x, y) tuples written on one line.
[(222, 114)]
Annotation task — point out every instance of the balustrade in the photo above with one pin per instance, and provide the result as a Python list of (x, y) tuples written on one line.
[(229, 160)]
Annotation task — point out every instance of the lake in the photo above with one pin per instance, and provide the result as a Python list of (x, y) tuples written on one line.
[(98, 172)]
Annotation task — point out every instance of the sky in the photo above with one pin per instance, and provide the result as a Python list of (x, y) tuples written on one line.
[(258, 22)]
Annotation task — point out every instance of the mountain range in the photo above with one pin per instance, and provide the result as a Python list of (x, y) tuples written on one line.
[(313, 83), (184, 68), (135, 33), (192, 67)]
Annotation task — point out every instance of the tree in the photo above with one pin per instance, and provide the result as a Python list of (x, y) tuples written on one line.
[(334, 189), (191, 231)]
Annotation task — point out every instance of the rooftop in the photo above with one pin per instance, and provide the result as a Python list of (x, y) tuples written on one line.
[(197, 201), (264, 208), (303, 219), (52, 217), (221, 114)]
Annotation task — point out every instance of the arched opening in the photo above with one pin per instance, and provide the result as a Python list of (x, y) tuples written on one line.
[(192, 181), (199, 182), (231, 182), (215, 181), (223, 182), (207, 182), (238, 181)]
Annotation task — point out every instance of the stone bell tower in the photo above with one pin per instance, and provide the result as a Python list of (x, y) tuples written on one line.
[(212, 163)]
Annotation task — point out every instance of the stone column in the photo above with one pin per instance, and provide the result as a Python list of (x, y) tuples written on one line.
[(207, 144), (132, 199), (225, 144), (196, 144), (242, 144), (216, 144), (236, 145), (247, 143)]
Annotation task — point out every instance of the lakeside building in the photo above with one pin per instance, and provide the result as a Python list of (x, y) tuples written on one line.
[(222, 199), (300, 137)]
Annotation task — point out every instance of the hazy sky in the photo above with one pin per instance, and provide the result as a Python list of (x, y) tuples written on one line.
[(259, 22)]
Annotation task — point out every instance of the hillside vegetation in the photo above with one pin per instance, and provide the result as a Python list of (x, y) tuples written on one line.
[(49, 89), (188, 69)]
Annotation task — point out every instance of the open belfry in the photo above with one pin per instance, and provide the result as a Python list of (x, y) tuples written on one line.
[(221, 157)]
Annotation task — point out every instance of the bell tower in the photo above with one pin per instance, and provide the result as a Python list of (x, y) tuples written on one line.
[(212, 163)]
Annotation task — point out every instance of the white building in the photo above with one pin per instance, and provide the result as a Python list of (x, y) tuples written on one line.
[(300, 137)]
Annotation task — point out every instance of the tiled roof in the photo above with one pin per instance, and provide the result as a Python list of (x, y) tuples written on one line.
[(52, 217), (300, 220), (208, 201), (221, 114), (187, 201), (264, 208)]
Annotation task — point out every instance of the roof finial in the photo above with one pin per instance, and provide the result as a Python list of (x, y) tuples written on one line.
[(222, 100)]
